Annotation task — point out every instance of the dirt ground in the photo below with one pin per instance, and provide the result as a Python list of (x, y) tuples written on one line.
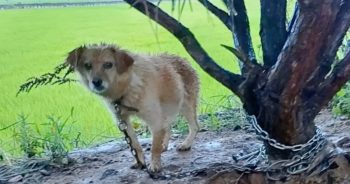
[(109, 163)]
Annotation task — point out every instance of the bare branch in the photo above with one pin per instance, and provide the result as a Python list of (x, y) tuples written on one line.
[(192, 46), (273, 31), (222, 15), (241, 56), (330, 86), (241, 29)]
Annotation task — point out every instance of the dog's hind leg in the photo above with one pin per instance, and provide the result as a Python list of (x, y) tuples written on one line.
[(189, 112)]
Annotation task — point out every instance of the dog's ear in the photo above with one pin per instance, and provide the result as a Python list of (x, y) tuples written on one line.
[(122, 59), (124, 62), (74, 56)]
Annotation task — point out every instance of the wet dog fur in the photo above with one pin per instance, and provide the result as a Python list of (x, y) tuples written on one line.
[(160, 87)]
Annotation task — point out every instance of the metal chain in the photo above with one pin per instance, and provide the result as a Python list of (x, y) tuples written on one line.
[(123, 126), (295, 148), (304, 155)]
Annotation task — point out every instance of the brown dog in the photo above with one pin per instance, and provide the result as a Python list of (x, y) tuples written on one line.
[(160, 87)]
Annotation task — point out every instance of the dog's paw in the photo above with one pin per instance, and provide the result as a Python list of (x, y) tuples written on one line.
[(183, 147), (138, 165), (154, 167)]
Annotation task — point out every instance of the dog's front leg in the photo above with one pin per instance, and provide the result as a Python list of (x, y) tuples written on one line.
[(140, 162), (157, 149)]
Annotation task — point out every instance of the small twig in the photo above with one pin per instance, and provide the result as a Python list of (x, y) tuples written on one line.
[(48, 79), (239, 178), (1, 129), (241, 56), (219, 13)]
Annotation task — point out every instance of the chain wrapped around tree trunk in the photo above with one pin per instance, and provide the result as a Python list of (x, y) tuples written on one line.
[(280, 170)]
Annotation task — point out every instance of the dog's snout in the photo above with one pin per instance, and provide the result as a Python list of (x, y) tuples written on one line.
[(97, 85), (97, 82)]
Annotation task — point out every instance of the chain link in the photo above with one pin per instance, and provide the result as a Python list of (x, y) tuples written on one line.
[(281, 170), (123, 126), (295, 148)]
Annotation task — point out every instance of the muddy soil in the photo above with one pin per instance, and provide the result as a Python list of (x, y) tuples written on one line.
[(109, 163)]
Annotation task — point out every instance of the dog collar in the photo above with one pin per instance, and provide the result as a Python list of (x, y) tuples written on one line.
[(118, 103)]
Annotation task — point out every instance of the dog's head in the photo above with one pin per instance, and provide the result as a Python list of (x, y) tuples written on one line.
[(100, 66)]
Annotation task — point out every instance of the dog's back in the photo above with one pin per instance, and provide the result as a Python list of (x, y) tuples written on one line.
[(188, 75)]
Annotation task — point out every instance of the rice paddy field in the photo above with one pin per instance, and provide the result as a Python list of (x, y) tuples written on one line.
[(34, 41)]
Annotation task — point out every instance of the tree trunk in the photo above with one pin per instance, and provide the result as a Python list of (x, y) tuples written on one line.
[(296, 80)]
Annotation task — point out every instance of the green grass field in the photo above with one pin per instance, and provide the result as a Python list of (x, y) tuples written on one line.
[(34, 41)]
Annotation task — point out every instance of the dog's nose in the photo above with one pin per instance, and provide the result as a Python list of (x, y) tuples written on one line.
[(97, 82)]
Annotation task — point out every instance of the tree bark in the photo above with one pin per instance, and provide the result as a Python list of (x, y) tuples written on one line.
[(329, 50)]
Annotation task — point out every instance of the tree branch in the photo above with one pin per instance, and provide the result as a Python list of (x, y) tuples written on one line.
[(241, 29), (273, 31), (222, 15), (330, 48), (242, 57), (331, 85), (192, 46)]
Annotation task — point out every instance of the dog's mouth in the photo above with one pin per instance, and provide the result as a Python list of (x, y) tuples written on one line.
[(98, 89)]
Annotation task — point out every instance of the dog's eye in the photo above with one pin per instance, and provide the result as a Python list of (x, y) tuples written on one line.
[(107, 65), (87, 66)]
